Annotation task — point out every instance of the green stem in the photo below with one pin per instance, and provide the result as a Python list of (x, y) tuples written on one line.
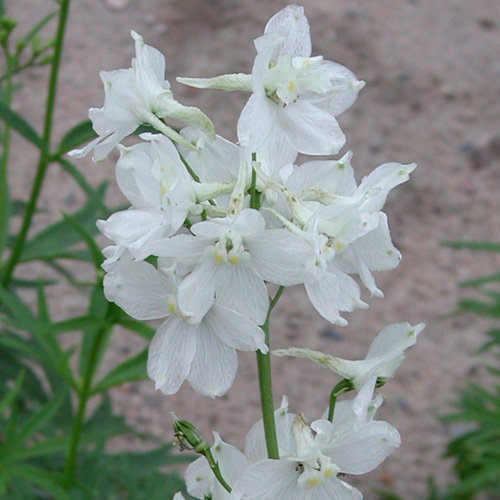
[(44, 154), (266, 387), (4, 160), (342, 387), (83, 396), (254, 194), (264, 360), (216, 470)]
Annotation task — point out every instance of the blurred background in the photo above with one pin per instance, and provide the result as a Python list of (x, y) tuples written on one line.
[(432, 94)]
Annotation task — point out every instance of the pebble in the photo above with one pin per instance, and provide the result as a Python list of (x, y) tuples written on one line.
[(116, 4), (330, 333)]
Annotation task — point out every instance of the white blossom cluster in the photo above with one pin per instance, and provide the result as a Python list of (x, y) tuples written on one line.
[(212, 223)]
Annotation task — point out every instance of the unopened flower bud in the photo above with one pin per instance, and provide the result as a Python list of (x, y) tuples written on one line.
[(188, 436)]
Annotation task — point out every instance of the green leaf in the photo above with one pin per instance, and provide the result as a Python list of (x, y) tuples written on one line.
[(43, 308), (78, 323), (132, 369), (12, 394), (34, 31), (103, 424), (32, 390), (20, 125), (142, 329), (16, 440), (16, 306), (77, 135), (20, 283), (100, 308), (479, 307), (481, 280), (486, 246), (48, 480), (78, 177), (52, 241), (94, 250), (5, 202)]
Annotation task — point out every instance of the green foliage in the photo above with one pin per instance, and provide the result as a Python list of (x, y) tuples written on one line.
[(52, 446), (477, 452)]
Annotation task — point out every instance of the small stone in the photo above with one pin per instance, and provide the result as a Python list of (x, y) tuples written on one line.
[(330, 333), (353, 12), (487, 24), (116, 4)]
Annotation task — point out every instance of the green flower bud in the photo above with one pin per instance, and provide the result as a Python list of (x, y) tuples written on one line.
[(188, 436)]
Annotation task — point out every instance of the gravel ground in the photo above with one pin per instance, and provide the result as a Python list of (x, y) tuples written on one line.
[(432, 90)]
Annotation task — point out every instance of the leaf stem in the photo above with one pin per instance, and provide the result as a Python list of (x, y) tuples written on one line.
[(84, 393), (44, 154)]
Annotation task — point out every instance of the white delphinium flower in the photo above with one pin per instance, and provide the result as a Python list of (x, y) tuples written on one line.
[(344, 226), (135, 96), (202, 351), (220, 160), (294, 95), (312, 457), (383, 358), (200, 480), (231, 258), (161, 191)]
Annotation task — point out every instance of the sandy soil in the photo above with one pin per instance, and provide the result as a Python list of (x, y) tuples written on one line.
[(433, 87)]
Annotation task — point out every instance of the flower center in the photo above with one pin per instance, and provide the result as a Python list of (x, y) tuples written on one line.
[(316, 470), (315, 467), (229, 248), (289, 77)]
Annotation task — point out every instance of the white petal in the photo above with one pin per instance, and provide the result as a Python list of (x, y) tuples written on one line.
[(310, 129), (214, 161), (255, 441), (139, 289), (324, 296), (238, 288), (335, 177), (171, 354), (335, 489), (198, 478), (235, 81), (350, 293), (249, 221), (135, 229), (379, 183), (396, 337), (256, 121), (279, 256), (231, 461), (291, 23), (234, 329), (276, 479), (365, 449), (196, 292), (345, 88), (275, 152), (134, 177), (185, 248), (214, 364), (376, 248), (149, 67)]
